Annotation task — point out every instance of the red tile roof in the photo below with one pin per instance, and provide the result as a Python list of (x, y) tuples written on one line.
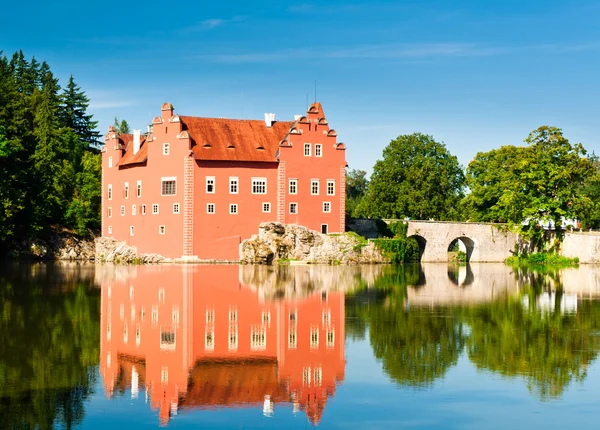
[(129, 157), (235, 139)]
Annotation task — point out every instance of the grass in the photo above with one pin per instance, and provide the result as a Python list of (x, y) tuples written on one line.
[(542, 258)]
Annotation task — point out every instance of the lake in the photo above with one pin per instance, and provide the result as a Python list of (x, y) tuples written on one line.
[(222, 346)]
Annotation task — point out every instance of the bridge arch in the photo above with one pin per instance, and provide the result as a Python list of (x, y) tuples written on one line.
[(421, 241), (467, 243)]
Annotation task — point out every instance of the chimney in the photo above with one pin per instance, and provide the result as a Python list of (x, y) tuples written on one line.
[(269, 119), (136, 141)]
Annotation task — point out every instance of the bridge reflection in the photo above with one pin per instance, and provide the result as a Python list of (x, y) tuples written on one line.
[(206, 337)]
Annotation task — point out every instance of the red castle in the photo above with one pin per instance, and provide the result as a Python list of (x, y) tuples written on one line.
[(194, 188)]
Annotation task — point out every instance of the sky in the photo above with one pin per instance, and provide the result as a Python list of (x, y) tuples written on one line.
[(474, 74)]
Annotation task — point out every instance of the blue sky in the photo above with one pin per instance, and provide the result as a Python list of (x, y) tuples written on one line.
[(474, 74)]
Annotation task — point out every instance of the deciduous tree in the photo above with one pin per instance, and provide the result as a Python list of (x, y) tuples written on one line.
[(417, 178)]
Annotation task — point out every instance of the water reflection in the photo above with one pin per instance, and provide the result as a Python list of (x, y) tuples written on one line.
[(49, 323), (213, 336), (259, 342)]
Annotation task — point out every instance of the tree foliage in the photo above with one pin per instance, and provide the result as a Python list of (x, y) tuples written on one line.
[(417, 178), (540, 182), (357, 186), (45, 134)]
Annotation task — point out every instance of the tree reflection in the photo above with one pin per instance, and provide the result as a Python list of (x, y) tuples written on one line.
[(528, 335), (547, 349), (415, 346), (49, 349)]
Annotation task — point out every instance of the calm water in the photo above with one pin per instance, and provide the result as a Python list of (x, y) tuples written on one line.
[(435, 346)]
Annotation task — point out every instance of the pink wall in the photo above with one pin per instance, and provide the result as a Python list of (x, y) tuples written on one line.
[(218, 235)]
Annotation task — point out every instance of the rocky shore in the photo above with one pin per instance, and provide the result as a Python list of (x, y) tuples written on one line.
[(275, 244), (278, 243)]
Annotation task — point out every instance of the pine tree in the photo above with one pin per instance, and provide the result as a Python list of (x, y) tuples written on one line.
[(73, 114), (121, 126)]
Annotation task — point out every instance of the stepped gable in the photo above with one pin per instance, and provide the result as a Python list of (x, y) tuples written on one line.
[(222, 139), (129, 157)]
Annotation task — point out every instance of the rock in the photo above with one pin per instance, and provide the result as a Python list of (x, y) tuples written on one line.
[(276, 242), (111, 250)]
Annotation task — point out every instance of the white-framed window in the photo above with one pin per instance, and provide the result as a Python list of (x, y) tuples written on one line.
[(330, 341), (162, 229), (131, 230), (123, 210), (210, 184), (210, 316), (318, 377), (318, 150), (155, 209), (110, 212), (326, 207), (293, 186), (139, 188), (154, 314), (109, 191), (292, 340), (176, 208), (293, 208), (138, 335), (232, 315), (209, 340), (314, 187), (306, 373), (164, 375), (266, 207), (125, 333), (259, 185), (266, 318), (307, 149), (258, 337), (133, 210), (109, 162), (210, 208), (126, 190), (143, 209), (168, 186), (167, 340), (166, 148), (330, 187), (233, 209), (233, 338), (314, 337), (233, 185), (110, 229)]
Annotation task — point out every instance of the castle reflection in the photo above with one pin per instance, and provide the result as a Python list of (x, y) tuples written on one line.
[(207, 337)]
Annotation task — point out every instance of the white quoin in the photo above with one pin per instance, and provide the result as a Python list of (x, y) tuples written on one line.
[(269, 119), (136, 141)]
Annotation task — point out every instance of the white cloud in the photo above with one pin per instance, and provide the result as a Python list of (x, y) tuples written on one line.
[(209, 24)]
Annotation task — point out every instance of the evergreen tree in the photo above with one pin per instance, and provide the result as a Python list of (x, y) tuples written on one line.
[(73, 114), (122, 126)]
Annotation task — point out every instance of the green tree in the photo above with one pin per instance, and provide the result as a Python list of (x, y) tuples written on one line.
[(73, 113), (121, 126), (83, 213), (357, 185), (540, 182), (417, 178)]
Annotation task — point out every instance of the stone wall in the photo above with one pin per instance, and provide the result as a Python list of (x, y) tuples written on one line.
[(583, 245)]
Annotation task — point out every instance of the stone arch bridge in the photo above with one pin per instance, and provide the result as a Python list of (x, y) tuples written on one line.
[(484, 242)]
